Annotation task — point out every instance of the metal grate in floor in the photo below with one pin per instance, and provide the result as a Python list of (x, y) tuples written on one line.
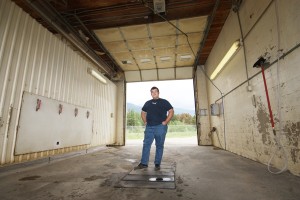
[(150, 178)]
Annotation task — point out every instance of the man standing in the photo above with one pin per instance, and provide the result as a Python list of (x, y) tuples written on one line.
[(156, 114)]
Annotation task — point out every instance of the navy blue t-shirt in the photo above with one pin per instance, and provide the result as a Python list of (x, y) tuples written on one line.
[(156, 110)]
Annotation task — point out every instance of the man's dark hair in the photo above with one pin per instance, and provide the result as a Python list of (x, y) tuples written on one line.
[(153, 88)]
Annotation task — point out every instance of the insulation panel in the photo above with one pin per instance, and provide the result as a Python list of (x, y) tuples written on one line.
[(50, 127)]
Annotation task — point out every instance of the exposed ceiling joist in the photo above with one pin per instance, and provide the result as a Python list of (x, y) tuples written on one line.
[(128, 35)]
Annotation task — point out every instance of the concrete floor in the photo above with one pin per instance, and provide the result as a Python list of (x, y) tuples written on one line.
[(201, 173)]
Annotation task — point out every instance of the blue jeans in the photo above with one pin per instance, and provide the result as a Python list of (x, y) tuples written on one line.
[(159, 134)]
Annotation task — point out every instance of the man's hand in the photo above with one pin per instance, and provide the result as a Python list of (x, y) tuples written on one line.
[(143, 115), (169, 117)]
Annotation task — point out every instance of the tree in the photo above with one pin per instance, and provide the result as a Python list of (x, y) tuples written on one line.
[(185, 118), (134, 118)]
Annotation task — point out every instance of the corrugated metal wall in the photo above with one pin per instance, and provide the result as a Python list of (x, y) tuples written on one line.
[(34, 60)]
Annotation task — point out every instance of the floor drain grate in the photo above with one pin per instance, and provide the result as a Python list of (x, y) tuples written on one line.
[(150, 178)]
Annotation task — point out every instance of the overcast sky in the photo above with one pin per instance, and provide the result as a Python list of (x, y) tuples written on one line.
[(179, 93)]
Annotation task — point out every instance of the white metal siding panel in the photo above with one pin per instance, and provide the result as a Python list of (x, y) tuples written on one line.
[(113, 114), (104, 106), (34, 60), (120, 115), (7, 69)]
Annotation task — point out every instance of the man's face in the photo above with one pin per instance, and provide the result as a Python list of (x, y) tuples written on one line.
[(154, 94)]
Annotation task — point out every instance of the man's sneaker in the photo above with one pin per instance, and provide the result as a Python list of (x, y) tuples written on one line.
[(157, 167), (140, 166)]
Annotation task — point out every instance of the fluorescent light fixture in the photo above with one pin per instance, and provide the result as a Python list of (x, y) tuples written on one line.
[(165, 58), (97, 75), (228, 55), (145, 60), (126, 62), (100, 53), (185, 57)]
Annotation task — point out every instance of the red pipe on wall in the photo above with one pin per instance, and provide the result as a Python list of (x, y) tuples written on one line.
[(268, 99)]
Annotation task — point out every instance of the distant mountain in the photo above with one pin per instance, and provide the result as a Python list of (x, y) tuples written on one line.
[(136, 108), (181, 110)]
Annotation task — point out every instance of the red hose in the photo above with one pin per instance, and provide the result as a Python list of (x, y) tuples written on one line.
[(267, 94)]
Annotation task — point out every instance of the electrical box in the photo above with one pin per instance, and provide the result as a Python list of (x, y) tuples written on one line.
[(159, 6), (203, 112), (214, 109)]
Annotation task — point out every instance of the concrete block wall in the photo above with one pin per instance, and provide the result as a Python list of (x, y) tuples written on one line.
[(270, 29)]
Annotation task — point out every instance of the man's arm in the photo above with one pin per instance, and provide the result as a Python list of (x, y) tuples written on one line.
[(169, 117), (143, 115)]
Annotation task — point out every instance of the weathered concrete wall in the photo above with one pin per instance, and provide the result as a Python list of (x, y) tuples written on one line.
[(268, 27), (203, 124)]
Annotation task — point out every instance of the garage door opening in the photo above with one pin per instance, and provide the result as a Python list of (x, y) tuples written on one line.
[(180, 93)]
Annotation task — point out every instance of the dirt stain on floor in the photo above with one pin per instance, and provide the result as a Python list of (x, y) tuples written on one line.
[(93, 178), (29, 178)]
